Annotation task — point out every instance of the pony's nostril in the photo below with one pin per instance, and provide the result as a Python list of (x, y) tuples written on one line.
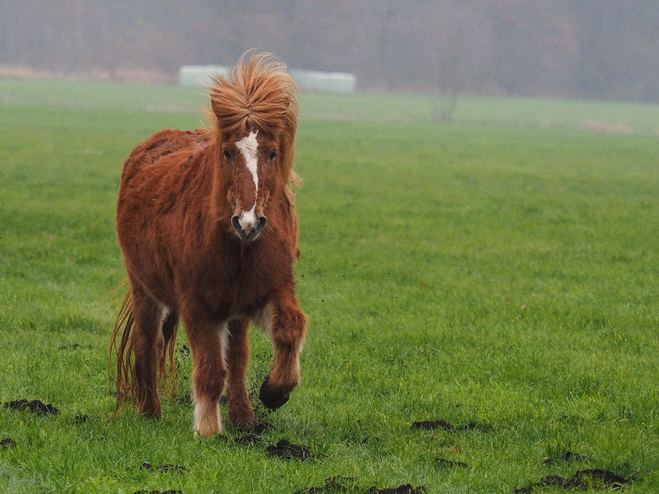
[(262, 222), (246, 229), (235, 222)]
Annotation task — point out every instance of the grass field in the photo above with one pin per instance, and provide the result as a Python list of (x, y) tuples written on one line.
[(500, 273)]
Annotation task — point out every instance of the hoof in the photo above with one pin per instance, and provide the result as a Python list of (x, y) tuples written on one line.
[(242, 423), (151, 413), (270, 401)]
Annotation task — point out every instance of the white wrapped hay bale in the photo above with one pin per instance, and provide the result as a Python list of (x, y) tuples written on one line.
[(324, 82), (306, 80), (200, 75)]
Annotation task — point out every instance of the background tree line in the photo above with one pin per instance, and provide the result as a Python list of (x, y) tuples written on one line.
[(576, 48)]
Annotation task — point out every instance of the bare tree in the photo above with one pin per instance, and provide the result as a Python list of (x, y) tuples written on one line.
[(453, 38)]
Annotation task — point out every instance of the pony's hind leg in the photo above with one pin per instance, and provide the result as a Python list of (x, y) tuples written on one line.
[(148, 346), (240, 408), (208, 373), (286, 324)]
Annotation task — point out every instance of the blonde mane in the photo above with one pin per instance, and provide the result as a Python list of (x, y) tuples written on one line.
[(259, 95)]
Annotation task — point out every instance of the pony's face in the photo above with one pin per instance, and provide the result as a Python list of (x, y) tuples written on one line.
[(251, 164)]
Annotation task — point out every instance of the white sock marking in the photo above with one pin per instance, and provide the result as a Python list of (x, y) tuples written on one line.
[(207, 418)]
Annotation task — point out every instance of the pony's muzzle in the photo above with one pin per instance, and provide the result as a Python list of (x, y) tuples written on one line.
[(248, 226)]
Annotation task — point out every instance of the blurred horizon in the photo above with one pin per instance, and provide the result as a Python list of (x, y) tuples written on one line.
[(604, 49)]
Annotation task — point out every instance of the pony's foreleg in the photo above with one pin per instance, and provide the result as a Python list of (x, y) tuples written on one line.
[(240, 408), (287, 326), (208, 374), (148, 346)]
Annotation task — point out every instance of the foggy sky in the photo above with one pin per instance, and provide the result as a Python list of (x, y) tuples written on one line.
[(574, 48)]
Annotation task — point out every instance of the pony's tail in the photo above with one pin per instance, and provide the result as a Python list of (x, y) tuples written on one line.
[(121, 348)]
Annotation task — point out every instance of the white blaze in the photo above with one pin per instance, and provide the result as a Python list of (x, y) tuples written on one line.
[(248, 146)]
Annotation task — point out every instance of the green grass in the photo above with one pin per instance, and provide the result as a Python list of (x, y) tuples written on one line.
[(501, 270), (389, 108)]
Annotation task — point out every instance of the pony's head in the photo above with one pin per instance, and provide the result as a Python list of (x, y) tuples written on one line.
[(255, 116)]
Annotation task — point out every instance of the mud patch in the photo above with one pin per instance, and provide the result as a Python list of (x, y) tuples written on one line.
[(262, 428), (286, 450), (34, 406), (258, 430), (444, 463), (348, 484), (401, 489), (164, 468), (447, 426), (75, 346), (433, 424), (7, 442), (144, 491), (590, 478), (250, 436)]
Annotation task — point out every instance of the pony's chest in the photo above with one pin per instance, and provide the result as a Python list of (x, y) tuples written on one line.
[(243, 284)]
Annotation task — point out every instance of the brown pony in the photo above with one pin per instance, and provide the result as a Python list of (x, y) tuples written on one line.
[(208, 230)]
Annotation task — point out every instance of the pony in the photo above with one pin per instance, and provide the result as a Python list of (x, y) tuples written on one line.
[(208, 230)]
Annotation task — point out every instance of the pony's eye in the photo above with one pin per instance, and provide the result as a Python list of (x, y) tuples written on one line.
[(227, 155), (273, 155)]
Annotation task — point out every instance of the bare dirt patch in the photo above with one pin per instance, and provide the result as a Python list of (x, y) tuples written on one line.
[(144, 491), (587, 479), (7, 442), (262, 428), (35, 406), (250, 436), (75, 346), (287, 450), (433, 424), (401, 489), (348, 484), (442, 462), (447, 426)]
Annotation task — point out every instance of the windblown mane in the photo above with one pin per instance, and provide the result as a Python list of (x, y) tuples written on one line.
[(259, 95)]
